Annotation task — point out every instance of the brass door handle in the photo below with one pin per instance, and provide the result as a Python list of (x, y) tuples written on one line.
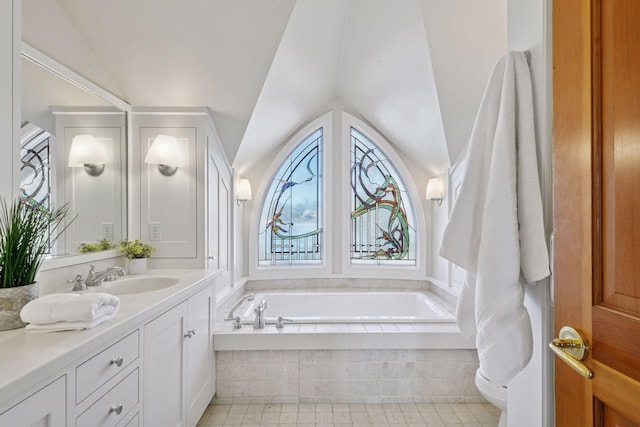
[(571, 349)]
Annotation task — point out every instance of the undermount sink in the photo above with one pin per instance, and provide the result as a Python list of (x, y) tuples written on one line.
[(135, 285)]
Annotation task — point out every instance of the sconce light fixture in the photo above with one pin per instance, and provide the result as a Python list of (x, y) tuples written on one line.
[(434, 191), (166, 153), (86, 152), (244, 191)]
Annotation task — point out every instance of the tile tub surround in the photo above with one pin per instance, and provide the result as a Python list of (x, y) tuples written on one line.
[(346, 376)]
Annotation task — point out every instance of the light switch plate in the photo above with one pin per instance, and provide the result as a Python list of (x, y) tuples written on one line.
[(155, 231), (107, 231)]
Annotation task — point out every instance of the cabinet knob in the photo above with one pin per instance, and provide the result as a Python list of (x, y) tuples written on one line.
[(118, 362), (116, 409), (190, 333)]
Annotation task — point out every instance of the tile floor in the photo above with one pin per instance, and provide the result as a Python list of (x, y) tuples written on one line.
[(352, 415)]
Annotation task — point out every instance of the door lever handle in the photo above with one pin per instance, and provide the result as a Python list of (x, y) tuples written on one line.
[(571, 349)]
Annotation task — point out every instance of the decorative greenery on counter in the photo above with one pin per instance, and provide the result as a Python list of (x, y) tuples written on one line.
[(26, 234), (102, 245), (136, 249)]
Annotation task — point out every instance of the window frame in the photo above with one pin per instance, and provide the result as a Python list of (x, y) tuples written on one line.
[(323, 268), (386, 270)]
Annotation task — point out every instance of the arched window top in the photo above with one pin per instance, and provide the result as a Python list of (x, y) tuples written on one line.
[(320, 213), (383, 228), (291, 220)]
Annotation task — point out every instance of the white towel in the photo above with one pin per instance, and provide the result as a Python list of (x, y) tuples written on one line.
[(69, 307), (496, 227), (67, 326)]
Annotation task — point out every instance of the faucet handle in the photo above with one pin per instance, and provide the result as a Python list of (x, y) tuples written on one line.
[(236, 321), (79, 283), (280, 322)]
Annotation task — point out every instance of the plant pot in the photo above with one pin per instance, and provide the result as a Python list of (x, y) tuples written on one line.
[(137, 266), (11, 302)]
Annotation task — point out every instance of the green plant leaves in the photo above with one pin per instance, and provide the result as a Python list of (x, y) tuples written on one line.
[(26, 232)]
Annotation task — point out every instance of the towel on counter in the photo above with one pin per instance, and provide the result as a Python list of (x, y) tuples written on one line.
[(496, 228), (67, 326), (71, 308)]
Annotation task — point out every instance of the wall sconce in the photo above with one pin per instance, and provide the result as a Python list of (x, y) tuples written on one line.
[(434, 191), (244, 191), (166, 153), (86, 152)]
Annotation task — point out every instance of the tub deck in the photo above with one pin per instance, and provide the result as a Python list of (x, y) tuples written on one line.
[(442, 334)]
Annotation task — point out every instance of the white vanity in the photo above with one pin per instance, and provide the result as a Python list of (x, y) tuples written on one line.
[(152, 364)]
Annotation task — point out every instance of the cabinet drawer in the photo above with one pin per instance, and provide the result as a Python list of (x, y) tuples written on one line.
[(114, 406), (103, 366)]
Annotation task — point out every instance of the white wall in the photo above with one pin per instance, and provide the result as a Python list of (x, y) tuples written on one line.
[(531, 391)]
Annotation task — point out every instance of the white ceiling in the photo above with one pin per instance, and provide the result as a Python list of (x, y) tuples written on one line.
[(414, 69)]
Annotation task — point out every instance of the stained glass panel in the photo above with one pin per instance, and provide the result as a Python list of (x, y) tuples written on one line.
[(382, 219), (291, 217)]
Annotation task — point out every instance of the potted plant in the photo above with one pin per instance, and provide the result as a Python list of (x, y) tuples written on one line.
[(102, 245), (26, 234), (137, 253)]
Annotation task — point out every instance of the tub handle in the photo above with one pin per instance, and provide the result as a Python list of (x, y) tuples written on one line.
[(236, 321), (280, 322)]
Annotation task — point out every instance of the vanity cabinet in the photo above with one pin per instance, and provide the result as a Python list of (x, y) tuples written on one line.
[(151, 367), (178, 363), (46, 407)]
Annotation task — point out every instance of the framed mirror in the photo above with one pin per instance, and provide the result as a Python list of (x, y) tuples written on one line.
[(73, 149)]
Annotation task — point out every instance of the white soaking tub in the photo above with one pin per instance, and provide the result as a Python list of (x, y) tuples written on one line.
[(348, 307)]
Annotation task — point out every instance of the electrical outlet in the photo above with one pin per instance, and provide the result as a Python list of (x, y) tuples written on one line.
[(155, 232), (107, 231)]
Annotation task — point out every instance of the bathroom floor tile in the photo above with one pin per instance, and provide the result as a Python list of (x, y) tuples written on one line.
[(351, 415)]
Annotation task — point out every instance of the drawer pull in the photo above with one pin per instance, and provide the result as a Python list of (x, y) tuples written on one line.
[(118, 362), (116, 409), (190, 333)]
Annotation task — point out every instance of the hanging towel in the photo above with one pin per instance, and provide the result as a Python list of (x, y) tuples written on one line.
[(70, 307), (496, 228)]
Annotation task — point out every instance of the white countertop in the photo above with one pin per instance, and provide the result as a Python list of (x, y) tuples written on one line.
[(28, 358)]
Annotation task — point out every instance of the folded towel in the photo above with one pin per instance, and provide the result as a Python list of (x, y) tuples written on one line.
[(69, 307), (67, 326)]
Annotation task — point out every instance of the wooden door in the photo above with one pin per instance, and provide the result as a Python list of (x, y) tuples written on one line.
[(596, 104)]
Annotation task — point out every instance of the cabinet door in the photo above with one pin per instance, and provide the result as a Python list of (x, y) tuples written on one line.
[(164, 359), (45, 408), (200, 376)]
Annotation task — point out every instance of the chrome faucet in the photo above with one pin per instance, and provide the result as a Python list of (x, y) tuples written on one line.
[(258, 322), (95, 278), (236, 319)]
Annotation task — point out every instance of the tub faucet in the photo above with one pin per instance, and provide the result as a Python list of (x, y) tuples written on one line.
[(236, 319), (258, 322), (95, 278)]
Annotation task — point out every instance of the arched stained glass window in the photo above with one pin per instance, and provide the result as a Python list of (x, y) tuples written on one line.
[(382, 220), (291, 220)]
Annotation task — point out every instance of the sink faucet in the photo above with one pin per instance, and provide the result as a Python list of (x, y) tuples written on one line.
[(258, 322), (95, 278)]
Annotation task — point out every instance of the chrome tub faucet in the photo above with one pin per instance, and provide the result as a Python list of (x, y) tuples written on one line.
[(258, 322)]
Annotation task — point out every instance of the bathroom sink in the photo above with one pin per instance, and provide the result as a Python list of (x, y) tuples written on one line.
[(135, 285)]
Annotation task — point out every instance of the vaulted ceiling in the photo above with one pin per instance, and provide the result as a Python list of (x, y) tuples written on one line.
[(414, 69)]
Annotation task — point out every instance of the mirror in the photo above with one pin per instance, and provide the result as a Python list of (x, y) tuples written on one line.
[(73, 150)]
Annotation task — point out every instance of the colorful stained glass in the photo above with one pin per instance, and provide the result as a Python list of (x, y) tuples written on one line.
[(382, 219), (291, 217)]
